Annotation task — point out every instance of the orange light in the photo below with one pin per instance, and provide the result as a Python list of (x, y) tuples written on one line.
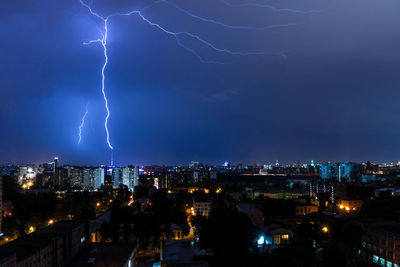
[(98, 204), (325, 229), (341, 206), (51, 221)]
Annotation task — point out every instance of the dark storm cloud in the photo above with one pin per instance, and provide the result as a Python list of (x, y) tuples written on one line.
[(335, 97)]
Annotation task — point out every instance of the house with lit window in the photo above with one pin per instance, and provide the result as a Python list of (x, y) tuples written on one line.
[(201, 206), (274, 234), (305, 208)]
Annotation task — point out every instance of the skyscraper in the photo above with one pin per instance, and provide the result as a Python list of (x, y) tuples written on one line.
[(116, 178), (130, 177), (88, 178), (98, 178), (57, 178)]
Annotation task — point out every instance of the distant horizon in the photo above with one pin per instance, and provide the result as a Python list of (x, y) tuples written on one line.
[(259, 163)]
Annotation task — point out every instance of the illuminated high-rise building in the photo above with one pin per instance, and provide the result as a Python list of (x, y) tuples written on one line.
[(98, 178), (57, 177), (55, 163), (116, 177), (130, 177), (75, 177), (87, 178)]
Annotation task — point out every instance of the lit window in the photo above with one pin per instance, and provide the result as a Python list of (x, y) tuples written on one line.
[(285, 237)]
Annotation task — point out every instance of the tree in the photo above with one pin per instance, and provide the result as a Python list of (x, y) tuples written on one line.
[(227, 232), (87, 213), (335, 254), (147, 230), (141, 191)]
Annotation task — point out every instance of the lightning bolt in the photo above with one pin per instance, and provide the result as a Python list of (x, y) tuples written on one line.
[(275, 9), (207, 43), (82, 124), (216, 22), (178, 34), (103, 42)]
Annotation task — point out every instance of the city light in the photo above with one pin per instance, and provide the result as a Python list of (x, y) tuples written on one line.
[(51, 221), (261, 241), (325, 229), (27, 185)]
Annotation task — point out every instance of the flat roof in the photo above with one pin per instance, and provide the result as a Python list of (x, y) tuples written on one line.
[(248, 208), (104, 254), (28, 244)]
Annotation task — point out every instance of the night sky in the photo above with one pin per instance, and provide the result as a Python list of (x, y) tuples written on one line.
[(335, 97)]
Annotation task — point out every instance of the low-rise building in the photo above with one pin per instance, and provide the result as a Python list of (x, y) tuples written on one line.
[(276, 193), (201, 206), (54, 245), (107, 254), (381, 242), (304, 209), (176, 232), (276, 234), (178, 253)]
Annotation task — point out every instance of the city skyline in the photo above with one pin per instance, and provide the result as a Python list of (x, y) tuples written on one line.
[(202, 133), (189, 163), (319, 102)]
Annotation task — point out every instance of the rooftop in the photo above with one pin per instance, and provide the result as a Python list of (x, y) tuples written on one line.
[(28, 244), (105, 254)]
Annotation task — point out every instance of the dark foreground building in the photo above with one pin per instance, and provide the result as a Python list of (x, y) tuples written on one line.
[(51, 246), (381, 242)]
